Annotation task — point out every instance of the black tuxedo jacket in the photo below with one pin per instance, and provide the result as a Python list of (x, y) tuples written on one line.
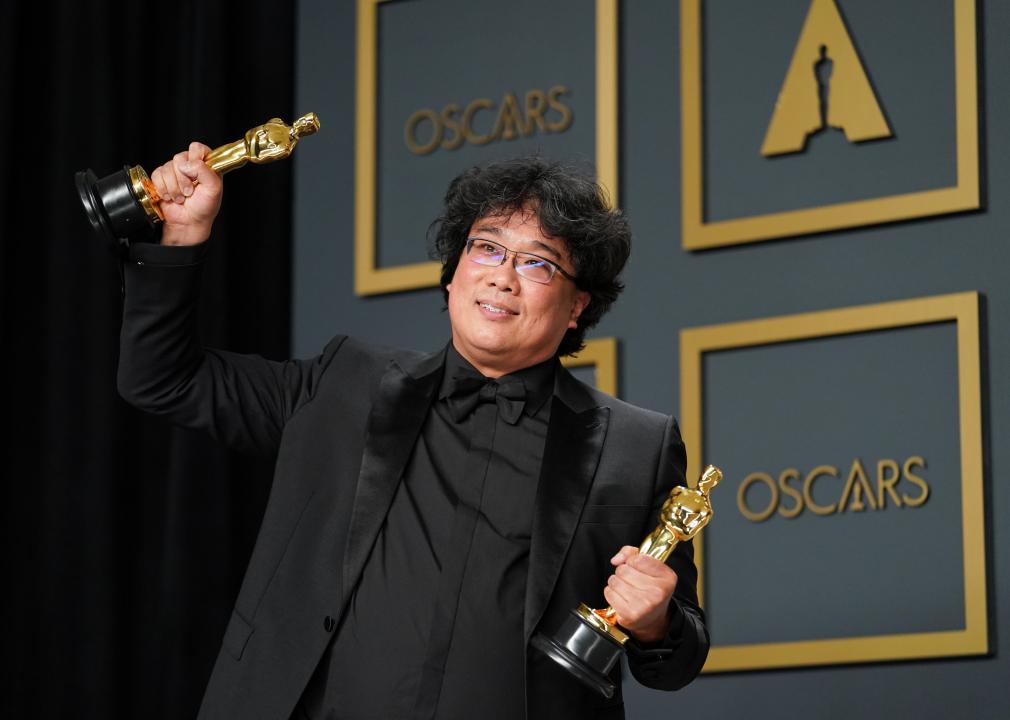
[(342, 427)]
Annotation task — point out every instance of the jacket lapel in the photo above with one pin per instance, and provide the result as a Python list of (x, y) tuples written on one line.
[(575, 438), (398, 413)]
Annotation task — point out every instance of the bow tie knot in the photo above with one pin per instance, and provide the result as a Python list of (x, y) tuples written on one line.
[(467, 391)]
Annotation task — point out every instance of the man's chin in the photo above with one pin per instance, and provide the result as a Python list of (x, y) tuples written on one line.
[(485, 355)]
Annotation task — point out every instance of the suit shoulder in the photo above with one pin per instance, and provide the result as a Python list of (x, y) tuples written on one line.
[(347, 357), (622, 411), (347, 349)]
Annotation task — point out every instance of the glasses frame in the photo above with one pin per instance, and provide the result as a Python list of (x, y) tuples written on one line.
[(515, 255)]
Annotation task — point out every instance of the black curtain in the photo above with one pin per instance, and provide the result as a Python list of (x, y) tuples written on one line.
[(124, 540)]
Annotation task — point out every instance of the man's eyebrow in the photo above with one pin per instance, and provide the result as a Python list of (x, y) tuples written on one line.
[(492, 229), (537, 245), (544, 247)]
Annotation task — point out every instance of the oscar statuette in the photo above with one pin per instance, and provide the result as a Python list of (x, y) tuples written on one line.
[(590, 642), (125, 202)]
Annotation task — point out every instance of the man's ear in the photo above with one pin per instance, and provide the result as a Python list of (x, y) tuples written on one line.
[(579, 304)]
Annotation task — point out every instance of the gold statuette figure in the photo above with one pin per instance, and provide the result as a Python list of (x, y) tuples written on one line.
[(590, 642), (120, 204), (273, 140)]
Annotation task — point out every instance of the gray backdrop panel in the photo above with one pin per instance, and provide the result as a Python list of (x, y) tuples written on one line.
[(422, 45), (747, 50), (873, 396)]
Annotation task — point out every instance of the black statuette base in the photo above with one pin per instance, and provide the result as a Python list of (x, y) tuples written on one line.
[(583, 651), (113, 210)]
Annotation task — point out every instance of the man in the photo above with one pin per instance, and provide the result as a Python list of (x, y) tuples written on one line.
[(429, 513)]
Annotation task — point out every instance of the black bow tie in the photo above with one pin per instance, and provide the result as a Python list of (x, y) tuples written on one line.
[(466, 391)]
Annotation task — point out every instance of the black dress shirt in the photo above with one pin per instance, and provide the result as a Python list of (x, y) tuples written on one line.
[(435, 626)]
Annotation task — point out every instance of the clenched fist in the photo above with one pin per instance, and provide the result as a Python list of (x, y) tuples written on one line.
[(190, 196), (640, 590)]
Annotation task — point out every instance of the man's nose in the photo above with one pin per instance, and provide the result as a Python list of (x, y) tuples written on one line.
[(504, 277)]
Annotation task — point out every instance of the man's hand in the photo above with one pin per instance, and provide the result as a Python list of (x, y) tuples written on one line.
[(640, 590), (190, 196)]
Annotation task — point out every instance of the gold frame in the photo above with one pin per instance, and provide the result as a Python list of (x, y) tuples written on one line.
[(698, 234), (372, 280), (962, 308), (601, 353)]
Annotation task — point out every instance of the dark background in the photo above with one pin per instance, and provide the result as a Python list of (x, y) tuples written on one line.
[(124, 540)]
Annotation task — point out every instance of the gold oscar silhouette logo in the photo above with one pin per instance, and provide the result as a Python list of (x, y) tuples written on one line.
[(825, 88)]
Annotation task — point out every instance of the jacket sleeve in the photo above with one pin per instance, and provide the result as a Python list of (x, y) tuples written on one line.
[(241, 400), (673, 662)]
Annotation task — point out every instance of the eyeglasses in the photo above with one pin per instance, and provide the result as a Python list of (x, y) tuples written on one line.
[(530, 266)]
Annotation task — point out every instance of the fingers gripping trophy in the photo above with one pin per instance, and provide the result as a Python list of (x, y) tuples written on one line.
[(590, 642), (126, 202)]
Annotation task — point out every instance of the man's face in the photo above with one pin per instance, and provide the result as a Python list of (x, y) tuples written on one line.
[(501, 321)]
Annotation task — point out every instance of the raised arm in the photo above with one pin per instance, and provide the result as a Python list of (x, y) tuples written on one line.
[(242, 400)]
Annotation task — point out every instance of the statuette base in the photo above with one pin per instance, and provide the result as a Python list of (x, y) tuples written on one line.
[(584, 650), (113, 208)]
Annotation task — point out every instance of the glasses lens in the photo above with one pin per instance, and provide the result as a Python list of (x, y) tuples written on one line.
[(534, 268), (531, 267), (486, 252)]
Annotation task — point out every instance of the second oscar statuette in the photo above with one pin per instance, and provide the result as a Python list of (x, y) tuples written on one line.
[(590, 642)]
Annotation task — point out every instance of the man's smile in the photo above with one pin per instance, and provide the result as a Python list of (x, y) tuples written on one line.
[(495, 309)]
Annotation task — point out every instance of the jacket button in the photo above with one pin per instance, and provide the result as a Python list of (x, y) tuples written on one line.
[(329, 623)]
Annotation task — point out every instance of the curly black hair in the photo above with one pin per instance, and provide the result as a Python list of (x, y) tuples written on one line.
[(569, 204)]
